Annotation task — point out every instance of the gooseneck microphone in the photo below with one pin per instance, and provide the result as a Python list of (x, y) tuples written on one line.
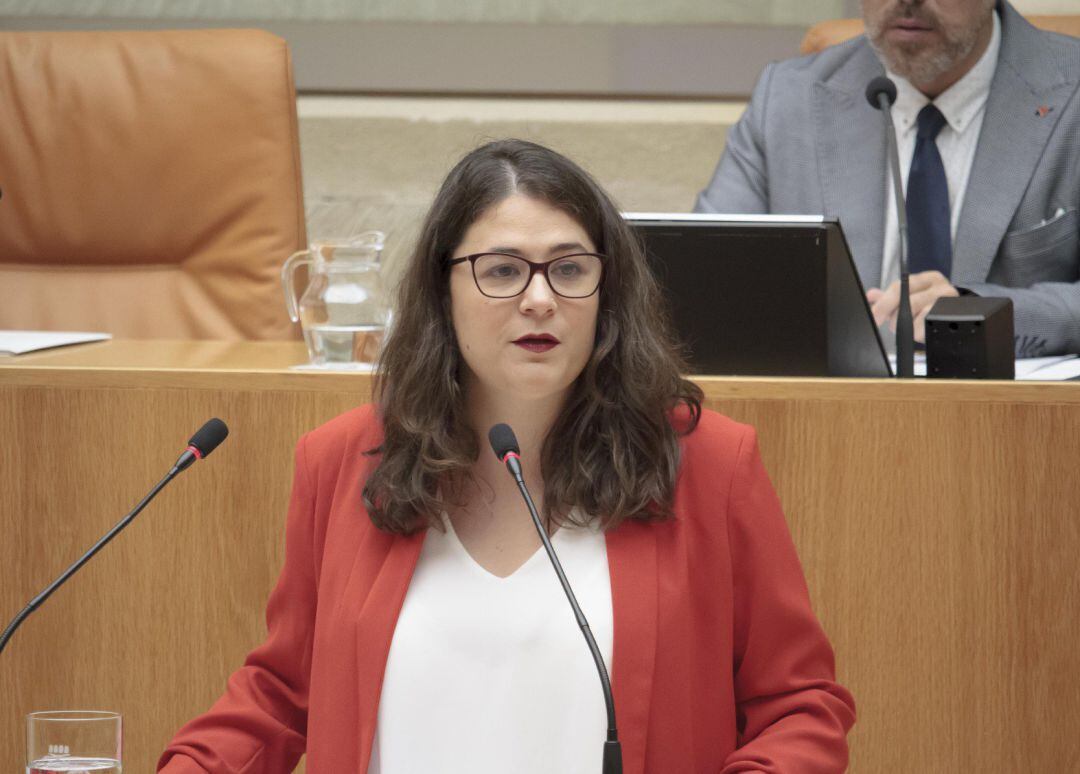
[(881, 94), (505, 445), (205, 440)]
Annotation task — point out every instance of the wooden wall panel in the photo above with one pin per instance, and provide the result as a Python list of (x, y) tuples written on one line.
[(156, 621), (940, 541)]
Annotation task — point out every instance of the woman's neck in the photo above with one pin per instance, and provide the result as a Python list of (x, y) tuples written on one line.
[(531, 420), (488, 514)]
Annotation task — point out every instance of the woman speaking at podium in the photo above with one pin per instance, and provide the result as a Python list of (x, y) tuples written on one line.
[(417, 626)]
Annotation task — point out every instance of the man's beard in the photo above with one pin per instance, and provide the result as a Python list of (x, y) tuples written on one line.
[(921, 64)]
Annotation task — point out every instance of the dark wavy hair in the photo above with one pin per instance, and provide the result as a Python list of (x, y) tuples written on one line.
[(613, 452)]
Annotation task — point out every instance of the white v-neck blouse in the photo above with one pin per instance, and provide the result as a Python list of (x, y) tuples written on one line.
[(489, 675)]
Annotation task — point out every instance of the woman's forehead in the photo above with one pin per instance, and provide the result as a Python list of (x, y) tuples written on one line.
[(521, 223)]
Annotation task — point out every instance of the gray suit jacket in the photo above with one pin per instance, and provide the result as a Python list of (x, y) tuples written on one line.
[(810, 143)]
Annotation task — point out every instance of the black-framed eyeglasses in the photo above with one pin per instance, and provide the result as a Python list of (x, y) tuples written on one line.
[(501, 275)]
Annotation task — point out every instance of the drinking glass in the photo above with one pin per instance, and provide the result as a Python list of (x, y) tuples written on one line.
[(73, 741)]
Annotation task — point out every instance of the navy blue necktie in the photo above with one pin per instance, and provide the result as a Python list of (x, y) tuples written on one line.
[(929, 232)]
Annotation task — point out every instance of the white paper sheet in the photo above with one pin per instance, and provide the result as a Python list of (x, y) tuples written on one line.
[(363, 368), (21, 342), (920, 363), (1049, 369)]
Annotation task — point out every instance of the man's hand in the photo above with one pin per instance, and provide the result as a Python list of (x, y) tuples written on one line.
[(926, 287)]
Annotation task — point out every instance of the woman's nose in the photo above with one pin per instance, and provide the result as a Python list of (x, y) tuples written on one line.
[(538, 295)]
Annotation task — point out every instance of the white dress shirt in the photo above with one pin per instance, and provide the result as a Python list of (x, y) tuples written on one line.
[(488, 675), (963, 104)]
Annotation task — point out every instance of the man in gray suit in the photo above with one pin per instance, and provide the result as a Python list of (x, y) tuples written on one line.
[(988, 125)]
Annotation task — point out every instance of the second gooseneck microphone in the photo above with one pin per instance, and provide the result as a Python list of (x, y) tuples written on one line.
[(505, 445), (881, 94), (206, 439)]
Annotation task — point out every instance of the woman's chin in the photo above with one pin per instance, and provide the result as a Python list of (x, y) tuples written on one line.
[(536, 385)]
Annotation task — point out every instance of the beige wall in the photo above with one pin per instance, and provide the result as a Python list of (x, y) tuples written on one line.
[(387, 156), (782, 12), (707, 49), (757, 12), (1047, 6)]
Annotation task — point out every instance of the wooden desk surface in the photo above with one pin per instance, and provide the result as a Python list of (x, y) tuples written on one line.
[(938, 523), (217, 364)]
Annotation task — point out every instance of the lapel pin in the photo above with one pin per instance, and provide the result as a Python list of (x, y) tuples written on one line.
[(1043, 110)]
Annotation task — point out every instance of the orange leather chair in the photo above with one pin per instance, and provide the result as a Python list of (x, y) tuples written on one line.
[(149, 183), (829, 33)]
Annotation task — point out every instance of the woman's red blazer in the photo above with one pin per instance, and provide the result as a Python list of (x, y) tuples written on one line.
[(719, 664)]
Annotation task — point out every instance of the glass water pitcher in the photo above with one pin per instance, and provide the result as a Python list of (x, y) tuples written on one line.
[(344, 310)]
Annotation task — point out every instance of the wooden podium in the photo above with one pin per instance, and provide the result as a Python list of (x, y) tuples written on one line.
[(938, 523)]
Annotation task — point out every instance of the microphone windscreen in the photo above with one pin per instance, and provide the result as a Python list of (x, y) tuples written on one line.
[(878, 86), (503, 441), (207, 437)]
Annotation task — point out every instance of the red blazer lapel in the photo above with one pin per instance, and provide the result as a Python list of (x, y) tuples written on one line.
[(632, 559), (396, 558)]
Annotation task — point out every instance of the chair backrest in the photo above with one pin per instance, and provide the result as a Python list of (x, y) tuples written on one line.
[(829, 33), (149, 182)]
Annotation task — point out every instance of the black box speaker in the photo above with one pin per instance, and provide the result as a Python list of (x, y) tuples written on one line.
[(970, 337)]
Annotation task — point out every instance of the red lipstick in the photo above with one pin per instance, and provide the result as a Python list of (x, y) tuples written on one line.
[(537, 342)]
